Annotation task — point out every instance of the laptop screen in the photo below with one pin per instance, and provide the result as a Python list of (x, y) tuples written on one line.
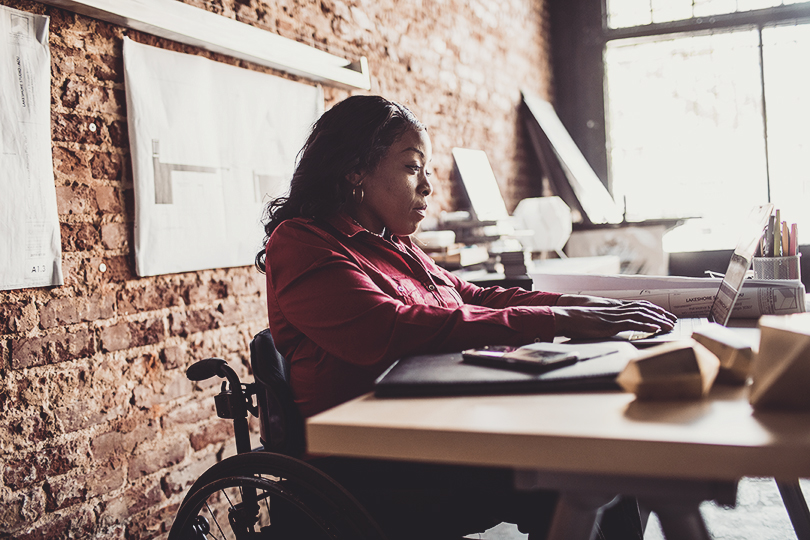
[(739, 264)]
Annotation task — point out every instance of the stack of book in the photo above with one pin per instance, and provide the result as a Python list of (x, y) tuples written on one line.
[(515, 263)]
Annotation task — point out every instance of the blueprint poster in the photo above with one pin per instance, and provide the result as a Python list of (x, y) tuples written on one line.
[(211, 144), (30, 242)]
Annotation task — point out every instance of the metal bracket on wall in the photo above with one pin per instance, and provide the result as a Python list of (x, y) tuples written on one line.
[(187, 24)]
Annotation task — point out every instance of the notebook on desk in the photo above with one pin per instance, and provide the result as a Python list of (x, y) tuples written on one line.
[(728, 291), (447, 375)]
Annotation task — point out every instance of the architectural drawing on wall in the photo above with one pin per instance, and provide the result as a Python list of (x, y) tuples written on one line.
[(210, 143), (163, 174), (30, 241)]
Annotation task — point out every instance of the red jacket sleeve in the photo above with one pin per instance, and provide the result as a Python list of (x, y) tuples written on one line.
[(320, 290)]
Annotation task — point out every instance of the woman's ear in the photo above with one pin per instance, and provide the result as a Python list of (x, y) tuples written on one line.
[(355, 178)]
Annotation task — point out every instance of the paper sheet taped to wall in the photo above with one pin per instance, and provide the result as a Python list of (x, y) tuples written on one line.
[(30, 242), (211, 143)]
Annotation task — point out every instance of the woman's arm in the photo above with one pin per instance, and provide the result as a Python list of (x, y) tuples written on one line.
[(319, 289), (594, 317), (575, 315)]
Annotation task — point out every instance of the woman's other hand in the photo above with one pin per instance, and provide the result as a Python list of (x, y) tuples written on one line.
[(579, 316)]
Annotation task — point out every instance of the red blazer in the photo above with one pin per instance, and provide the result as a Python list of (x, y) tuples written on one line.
[(344, 304)]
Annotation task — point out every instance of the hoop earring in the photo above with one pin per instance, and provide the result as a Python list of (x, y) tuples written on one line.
[(358, 193)]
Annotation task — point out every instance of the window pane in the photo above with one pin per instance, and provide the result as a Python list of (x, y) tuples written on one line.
[(685, 128), (787, 87), (671, 10), (704, 8), (624, 13), (749, 5)]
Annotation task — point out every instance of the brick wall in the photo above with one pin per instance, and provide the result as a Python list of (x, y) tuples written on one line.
[(101, 431)]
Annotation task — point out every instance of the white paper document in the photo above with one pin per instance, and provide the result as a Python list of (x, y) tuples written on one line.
[(211, 144), (682, 296), (30, 241)]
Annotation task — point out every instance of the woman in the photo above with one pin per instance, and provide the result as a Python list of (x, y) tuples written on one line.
[(348, 292)]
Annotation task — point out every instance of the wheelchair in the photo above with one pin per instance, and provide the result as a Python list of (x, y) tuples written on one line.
[(266, 493)]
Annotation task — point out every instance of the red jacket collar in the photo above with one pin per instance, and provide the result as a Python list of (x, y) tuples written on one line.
[(344, 223)]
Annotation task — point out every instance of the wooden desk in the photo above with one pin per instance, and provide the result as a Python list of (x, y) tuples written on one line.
[(672, 455)]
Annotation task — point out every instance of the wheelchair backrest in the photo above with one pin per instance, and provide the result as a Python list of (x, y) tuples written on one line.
[(281, 423)]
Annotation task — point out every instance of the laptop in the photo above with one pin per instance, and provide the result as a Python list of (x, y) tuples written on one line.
[(729, 290)]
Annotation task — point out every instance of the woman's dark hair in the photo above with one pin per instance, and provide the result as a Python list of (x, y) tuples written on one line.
[(351, 137)]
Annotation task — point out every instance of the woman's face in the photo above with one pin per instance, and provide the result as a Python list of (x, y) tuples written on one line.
[(396, 192)]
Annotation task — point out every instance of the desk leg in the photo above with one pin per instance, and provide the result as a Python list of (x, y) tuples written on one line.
[(682, 522), (796, 508), (576, 515)]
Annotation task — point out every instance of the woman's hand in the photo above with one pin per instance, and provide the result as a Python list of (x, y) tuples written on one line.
[(578, 316)]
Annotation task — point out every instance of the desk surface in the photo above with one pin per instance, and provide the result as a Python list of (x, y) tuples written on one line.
[(607, 433)]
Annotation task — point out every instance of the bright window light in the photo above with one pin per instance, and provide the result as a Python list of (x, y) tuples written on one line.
[(626, 13), (687, 126)]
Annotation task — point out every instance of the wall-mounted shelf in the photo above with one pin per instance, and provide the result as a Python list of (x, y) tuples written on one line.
[(187, 24)]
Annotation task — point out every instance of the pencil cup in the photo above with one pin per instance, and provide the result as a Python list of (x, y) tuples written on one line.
[(777, 267)]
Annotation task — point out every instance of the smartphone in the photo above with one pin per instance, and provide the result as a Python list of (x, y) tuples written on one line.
[(518, 358)]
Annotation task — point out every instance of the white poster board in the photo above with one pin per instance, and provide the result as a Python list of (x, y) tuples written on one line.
[(211, 144), (30, 242)]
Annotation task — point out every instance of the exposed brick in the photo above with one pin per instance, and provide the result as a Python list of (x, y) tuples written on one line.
[(107, 165), (117, 270), (114, 235), (58, 312), (243, 311), (148, 525), (118, 134), (64, 491), (183, 324), (17, 318), (149, 297), (36, 466), (205, 292), (173, 357), (4, 355), (72, 164), (243, 284), (79, 236), (80, 95), (31, 428), (50, 349), (105, 479), (78, 415), (190, 413), (147, 332), (146, 396), (107, 199), (76, 524), (20, 508), (107, 67), (118, 444), (97, 306), (179, 480), (126, 335), (213, 433), (75, 128), (165, 455), (116, 337), (77, 199)]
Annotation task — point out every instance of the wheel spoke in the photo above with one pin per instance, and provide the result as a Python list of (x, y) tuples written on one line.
[(215, 520)]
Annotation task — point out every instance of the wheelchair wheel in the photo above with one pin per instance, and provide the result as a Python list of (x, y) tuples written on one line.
[(270, 496)]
